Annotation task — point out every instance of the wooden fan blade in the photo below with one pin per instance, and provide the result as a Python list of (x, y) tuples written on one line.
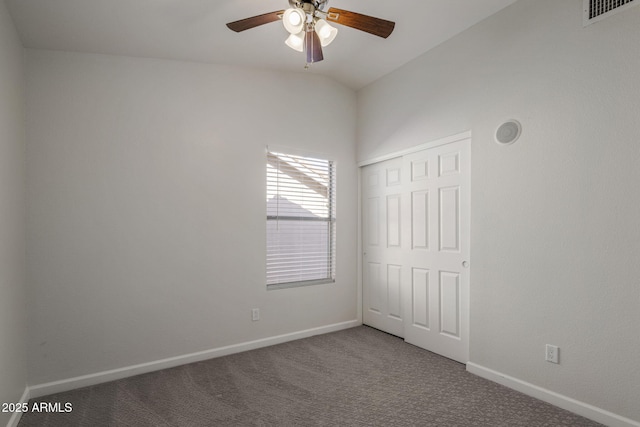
[(312, 47), (255, 21), (376, 26)]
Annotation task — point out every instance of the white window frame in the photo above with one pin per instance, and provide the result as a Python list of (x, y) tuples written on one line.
[(287, 267)]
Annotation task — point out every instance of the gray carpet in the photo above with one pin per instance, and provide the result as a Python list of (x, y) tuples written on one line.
[(356, 377)]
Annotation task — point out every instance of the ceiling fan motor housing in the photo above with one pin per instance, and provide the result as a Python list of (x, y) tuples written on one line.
[(309, 6)]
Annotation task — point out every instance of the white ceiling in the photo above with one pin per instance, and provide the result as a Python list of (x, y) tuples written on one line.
[(194, 30)]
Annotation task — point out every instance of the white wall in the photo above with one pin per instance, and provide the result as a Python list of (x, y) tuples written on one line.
[(146, 200), (13, 375), (555, 238)]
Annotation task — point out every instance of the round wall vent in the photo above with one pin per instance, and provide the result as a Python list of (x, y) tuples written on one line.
[(508, 132)]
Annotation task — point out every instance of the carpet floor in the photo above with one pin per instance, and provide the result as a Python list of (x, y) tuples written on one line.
[(355, 377)]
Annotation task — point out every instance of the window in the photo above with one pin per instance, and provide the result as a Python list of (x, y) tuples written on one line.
[(300, 220)]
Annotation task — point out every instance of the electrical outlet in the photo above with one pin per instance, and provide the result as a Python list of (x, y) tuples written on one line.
[(255, 314), (551, 353)]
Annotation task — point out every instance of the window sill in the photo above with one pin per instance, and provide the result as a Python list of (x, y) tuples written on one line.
[(277, 286)]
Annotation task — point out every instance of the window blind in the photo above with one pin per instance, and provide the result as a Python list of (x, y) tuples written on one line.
[(300, 220)]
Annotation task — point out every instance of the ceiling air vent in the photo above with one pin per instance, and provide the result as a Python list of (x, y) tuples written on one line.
[(595, 10)]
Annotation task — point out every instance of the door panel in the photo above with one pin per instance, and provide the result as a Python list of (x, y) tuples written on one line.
[(449, 219), (393, 221), (383, 304), (373, 215), (450, 304), (420, 298), (374, 287), (394, 300), (442, 295), (420, 220)]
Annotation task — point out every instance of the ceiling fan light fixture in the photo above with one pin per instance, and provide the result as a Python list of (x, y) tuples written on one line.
[(296, 41), (326, 32), (309, 32), (293, 20)]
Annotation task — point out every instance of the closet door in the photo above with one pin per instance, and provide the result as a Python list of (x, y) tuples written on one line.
[(416, 248), (382, 244), (436, 214)]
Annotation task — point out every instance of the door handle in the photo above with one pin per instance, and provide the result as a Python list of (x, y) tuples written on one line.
[(465, 264)]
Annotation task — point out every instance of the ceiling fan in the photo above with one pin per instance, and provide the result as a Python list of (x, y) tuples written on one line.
[(309, 28)]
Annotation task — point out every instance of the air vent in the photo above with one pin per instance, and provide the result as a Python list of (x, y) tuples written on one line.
[(596, 10)]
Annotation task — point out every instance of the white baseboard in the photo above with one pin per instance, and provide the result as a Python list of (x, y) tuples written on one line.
[(40, 390), (15, 418), (584, 409)]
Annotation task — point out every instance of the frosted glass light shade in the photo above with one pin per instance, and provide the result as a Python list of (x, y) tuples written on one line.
[(293, 20), (326, 32), (296, 41)]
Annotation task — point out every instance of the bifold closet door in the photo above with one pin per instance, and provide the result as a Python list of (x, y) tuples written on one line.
[(416, 248)]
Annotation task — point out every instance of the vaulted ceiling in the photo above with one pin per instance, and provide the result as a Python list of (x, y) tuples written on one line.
[(194, 30)]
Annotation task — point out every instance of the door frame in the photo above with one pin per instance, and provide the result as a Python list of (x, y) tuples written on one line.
[(360, 260), (436, 143)]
